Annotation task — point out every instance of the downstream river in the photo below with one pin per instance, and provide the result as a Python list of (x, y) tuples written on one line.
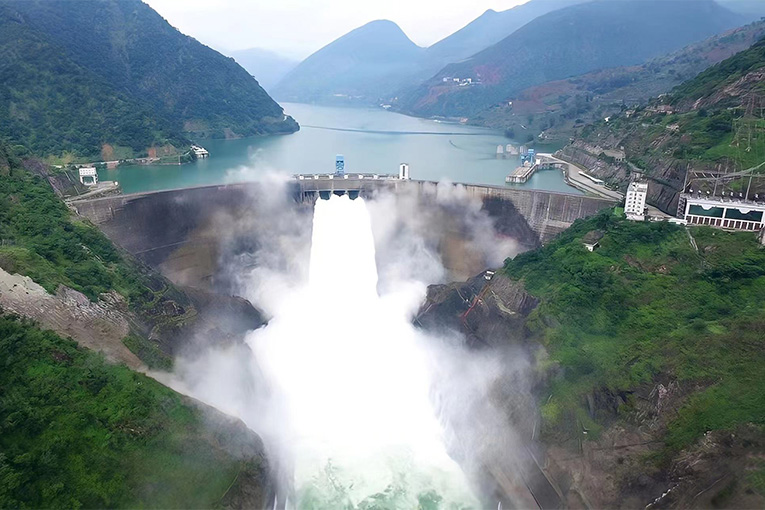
[(372, 141)]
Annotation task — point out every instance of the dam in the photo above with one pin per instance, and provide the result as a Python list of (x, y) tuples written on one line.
[(204, 237), (181, 231)]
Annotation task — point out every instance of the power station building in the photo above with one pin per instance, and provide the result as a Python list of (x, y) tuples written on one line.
[(729, 214), (88, 175)]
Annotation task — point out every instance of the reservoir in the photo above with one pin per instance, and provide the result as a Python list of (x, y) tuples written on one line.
[(372, 141)]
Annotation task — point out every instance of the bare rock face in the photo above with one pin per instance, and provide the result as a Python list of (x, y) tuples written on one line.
[(99, 326), (666, 176), (490, 309)]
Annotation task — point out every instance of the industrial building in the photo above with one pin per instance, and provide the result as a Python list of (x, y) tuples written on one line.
[(88, 175), (634, 203), (200, 152), (730, 214), (403, 171)]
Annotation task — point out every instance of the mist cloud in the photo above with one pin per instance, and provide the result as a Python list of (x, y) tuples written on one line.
[(339, 384)]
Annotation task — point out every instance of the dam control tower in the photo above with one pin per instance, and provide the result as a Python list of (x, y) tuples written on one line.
[(340, 165), (403, 171)]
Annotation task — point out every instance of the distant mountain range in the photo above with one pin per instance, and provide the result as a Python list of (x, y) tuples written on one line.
[(371, 63), (265, 66), (112, 79), (363, 65), (557, 109), (499, 54), (564, 43), (489, 28)]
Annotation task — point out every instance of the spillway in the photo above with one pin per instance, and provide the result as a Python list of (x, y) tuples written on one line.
[(355, 382)]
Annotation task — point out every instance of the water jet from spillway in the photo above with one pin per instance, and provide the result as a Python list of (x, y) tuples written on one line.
[(354, 380)]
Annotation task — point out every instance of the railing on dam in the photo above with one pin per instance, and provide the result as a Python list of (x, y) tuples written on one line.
[(310, 187)]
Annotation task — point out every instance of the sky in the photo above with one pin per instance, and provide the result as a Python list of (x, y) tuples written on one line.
[(297, 28)]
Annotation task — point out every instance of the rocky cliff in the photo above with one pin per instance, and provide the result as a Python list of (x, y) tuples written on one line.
[(665, 178), (625, 415)]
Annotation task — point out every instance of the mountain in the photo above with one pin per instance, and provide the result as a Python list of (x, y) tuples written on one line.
[(363, 65), (111, 78), (377, 69), (564, 43), (555, 109), (751, 8), (266, 66), (714, 122), (488, 29)]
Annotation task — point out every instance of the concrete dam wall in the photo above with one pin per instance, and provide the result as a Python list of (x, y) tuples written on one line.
[(190, 233)]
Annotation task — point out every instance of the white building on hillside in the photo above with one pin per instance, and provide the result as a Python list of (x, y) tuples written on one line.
[(634, 203), (200, 152), (88, 175)]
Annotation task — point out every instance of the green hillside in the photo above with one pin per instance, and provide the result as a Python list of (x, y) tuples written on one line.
[(42, 240), (76, 431), (91, 78), (649, 307), (725, 73)]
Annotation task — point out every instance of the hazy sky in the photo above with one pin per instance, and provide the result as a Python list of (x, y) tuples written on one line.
[(299, 27)]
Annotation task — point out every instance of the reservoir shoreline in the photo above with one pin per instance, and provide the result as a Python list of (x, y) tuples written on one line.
[(372, 141)]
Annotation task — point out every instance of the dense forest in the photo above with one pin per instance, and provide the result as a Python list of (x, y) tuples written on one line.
[(112, 79), (77, 432)]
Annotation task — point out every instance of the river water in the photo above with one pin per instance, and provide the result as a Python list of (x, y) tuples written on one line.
[(372, 140)]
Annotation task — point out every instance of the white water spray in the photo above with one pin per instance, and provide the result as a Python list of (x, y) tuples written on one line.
[(354, 378), (339, 383)]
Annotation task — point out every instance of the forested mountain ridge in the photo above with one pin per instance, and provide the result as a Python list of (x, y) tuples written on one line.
[(83, 76), (556, 110), (714, 121), (564, 43)]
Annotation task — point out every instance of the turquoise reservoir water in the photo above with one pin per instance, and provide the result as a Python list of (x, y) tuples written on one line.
[(372, 140)]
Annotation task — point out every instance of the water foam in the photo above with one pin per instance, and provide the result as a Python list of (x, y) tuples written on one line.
[(354, 378)]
